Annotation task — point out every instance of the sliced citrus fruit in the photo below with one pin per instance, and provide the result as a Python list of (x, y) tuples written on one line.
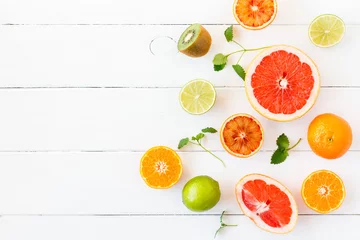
[(282, 83), (268, 203), (323, 191), (160, 167), (326, 30), (255, 15), (242, 135), (197, 96)]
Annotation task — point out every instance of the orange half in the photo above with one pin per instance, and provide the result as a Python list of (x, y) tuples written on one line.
[(160, 167), (242, 135), (323, 191), (255, 14)]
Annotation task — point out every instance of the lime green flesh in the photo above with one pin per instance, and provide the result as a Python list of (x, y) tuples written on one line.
[(326, 30), (189, 36), (201, 193), (197, 96)]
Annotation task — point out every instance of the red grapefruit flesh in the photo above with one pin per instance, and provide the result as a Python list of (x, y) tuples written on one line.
[(282, 83), (267, 203)]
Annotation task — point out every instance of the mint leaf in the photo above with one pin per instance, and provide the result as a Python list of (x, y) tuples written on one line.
[(193, 138), (283, 141), (200, 136), (219, 67), (239, 70), (279, 156), (209, 130), (220, 59), (183, 142), (229, 33)]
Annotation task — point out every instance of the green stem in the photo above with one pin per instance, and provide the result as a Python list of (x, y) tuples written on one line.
[(240, 57), (247, 50), (238, 44), (199, 144), (295, 145)]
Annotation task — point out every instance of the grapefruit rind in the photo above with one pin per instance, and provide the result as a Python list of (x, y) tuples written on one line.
[(315, 209), (222, 137), (256, 219), (161, 187), (259, 27), (265, 112)]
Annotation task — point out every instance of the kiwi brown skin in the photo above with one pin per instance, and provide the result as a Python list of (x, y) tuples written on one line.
[(200, 46)]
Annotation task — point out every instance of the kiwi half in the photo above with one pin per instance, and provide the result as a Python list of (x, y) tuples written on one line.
[(195, 41)]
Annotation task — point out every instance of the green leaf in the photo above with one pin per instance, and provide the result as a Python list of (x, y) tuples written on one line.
[(239, 70), (183, 142), (200, 136), (229, 33), (283, 141), (220, 59), (193, 138), (279, 156), (209, 130), (218, 68)]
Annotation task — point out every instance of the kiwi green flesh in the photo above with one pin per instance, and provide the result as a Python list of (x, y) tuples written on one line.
[(189, 36)]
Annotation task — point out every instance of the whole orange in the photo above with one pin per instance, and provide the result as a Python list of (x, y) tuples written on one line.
[(329, 136)]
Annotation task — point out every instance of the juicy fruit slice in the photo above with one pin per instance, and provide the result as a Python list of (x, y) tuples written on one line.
[(195, 41), (282, 83), (326, 30), (267, 203), (201, 193), (197, 96), (255, 15), (323, 191), (160, 167), (242, 135)]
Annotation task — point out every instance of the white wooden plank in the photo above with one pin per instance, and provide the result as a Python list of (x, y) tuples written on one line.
[(161, 11), (163, 228), (119, 56), (136, 119), (110, 183)]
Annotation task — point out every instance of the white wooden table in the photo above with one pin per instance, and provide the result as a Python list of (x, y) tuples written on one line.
[(82, 98)]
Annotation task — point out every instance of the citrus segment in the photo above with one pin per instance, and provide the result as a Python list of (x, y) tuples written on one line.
[(197, 96), (255, 15), (242, 135), (267, 202), (326, 30), (323, 191), (282, 83), (160, 167), (329, 136)]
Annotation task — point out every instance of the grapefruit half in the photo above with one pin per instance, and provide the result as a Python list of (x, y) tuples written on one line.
[(282, 83), (268, 203)]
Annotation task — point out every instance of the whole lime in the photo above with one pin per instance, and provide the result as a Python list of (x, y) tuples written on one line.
[(201, 193)]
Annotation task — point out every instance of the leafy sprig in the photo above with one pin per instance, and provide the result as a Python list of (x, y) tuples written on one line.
[(282, 152), (196, 140), (220, 60), (223, 225)]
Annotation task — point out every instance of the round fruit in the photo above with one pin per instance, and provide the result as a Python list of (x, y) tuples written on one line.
[(326, 30), (282, 83), (197, 96), (329, 136), (160, 167), (255, 15), (323, 191), (242, 135), (267, 203), (201, 193), (195, 41)]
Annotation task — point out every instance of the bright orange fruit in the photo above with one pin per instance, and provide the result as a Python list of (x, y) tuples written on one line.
[(241, 135), (323, 191), (329, 136), (255, 14), (160, 167)]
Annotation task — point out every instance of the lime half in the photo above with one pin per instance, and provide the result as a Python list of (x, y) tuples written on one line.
[(197, 96), (326, 30)]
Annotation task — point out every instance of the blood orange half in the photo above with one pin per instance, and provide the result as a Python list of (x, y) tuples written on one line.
[(242, 135), (255, 14), (267, 203), (282, 83)]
